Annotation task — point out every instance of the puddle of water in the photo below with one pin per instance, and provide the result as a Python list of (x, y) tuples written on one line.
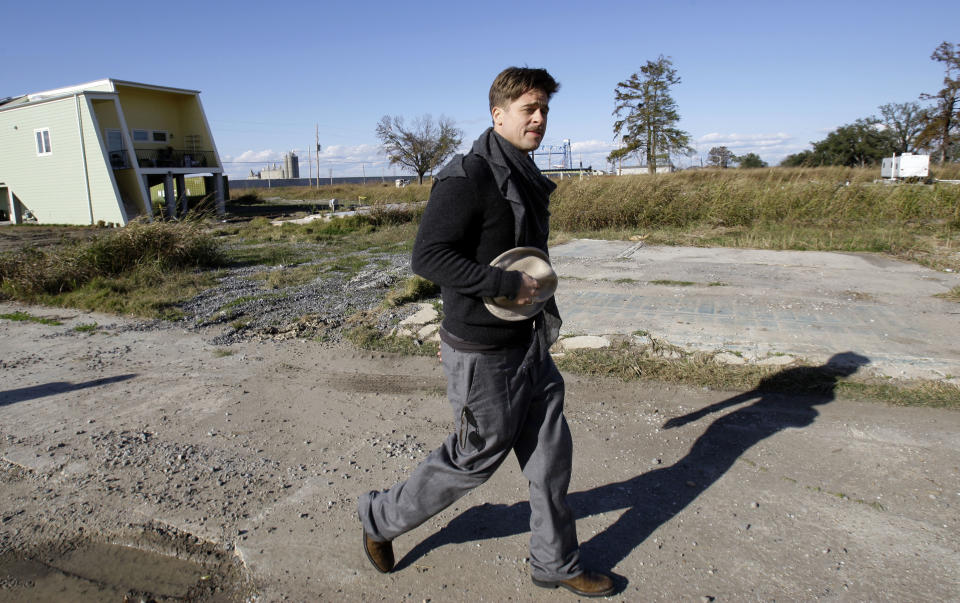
[(98, 572)]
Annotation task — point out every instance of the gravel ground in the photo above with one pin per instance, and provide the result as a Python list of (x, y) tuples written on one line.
[(241, 308), (242, 452)]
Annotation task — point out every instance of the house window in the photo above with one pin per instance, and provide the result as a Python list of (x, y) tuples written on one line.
[(141, 136), (159, 136), (43, 141), (115, 148), (114, 140)]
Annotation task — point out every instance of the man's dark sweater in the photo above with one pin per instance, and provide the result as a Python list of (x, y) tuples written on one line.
[(481, 205)]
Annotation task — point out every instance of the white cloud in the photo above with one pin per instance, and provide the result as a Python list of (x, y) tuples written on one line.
[(364, 153), (750, 142), (266, 155), (771, 147), (592, 146)]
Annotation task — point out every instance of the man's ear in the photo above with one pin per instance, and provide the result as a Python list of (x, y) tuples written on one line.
[(496, 113)]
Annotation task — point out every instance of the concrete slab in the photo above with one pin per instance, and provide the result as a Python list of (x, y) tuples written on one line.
[(425, 315), (584, 342), (761, 303)]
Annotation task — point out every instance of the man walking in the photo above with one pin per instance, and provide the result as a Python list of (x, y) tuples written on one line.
[(504, 388)]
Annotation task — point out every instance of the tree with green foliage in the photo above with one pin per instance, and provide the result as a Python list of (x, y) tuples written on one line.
[(906, 121), (801, 159), (943, 128), (422, 147), (858, 144), (751, 160), (721, 157), (647, 114)]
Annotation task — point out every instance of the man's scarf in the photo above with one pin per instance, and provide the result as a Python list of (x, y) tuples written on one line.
[(515, 173), (518, 178)]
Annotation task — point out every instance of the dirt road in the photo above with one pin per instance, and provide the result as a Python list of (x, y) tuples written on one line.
[(246, 462)]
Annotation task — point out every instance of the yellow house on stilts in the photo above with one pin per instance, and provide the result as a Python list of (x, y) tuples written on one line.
[(88, 154)]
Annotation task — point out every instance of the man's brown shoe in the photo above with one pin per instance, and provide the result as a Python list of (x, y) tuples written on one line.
[(380, 554), (587, 584)]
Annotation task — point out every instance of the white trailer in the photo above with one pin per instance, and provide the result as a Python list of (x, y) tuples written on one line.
[(907, 165)]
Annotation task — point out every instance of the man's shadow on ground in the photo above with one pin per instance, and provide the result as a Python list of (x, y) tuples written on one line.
[(12, 396), (785, 399)]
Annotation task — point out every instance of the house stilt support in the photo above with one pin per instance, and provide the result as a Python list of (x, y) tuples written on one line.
[(181, 205), (171, 202), (218, 195)]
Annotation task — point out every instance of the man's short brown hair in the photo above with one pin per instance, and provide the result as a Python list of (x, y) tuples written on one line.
[(514, 82)]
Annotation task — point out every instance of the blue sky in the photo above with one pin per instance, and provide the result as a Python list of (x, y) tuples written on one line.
[(761, 77)]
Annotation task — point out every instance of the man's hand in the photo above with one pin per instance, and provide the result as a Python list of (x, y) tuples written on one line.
[(529, 287)]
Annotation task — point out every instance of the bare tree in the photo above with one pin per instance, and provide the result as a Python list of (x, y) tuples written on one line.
[(942, 126), (906, 121), (423, 146), (648, 114)]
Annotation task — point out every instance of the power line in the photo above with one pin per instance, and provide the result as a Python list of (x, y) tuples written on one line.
[(322, 159)]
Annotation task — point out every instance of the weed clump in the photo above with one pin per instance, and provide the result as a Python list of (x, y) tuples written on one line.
[(368, 337), (414, 289), (158, 247)]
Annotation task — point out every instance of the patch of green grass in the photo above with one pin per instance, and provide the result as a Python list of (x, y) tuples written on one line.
[(700, 370), (248, 298), (347, 264), (146, 292), (222, 353), (370, 338), (20, 316), (270, 254), (375, 192), (142, 269), (356, 226), (933, 394), (294, 276), (952, 295), (86, 328), (162, 247), (625, 281), (414, 289), (673, 283)]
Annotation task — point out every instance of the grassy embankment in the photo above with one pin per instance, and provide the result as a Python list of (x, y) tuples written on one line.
[(775, 208), (148, 269), (139, 270)]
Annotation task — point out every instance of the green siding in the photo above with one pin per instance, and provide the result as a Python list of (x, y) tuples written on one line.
[(103, 188), (53, 186)]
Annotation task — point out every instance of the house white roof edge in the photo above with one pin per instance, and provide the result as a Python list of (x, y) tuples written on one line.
[(104, 85)]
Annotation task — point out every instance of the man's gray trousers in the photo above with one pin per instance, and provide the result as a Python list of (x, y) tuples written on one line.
[(502, 401)]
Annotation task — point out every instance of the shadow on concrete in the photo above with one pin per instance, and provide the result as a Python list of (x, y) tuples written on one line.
[(784, 400), (58, 387)]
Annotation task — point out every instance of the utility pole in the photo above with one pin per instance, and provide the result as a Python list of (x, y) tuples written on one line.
[(318, 155)]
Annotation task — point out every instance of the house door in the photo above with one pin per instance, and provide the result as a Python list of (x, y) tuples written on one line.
[(115, 150)]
